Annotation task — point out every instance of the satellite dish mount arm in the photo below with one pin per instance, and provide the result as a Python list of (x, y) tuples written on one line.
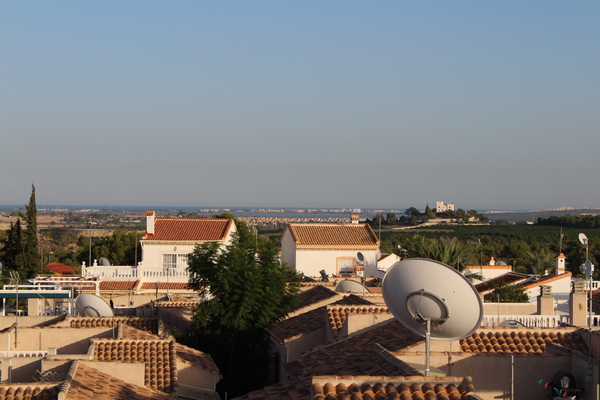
[(424, 319)]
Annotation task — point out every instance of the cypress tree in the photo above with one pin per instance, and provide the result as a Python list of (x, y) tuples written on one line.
[(13, 245), (30, 258)]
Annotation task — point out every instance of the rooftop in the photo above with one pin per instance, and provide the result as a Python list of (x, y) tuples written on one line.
[(333, 235), (190, 229)]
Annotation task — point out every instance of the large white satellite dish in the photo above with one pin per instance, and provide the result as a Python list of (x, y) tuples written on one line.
[(90, 305), (350, 286), (432, 299)]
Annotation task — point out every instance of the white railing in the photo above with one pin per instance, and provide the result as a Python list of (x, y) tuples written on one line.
[(530, 321), (136, 272), (50, 311), (112, 272), (26, 353)]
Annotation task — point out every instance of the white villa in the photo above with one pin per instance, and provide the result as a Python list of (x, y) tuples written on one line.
[(334, 248), (441, 207), (166, 246)]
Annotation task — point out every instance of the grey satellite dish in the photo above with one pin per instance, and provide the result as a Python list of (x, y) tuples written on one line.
[(104, 262), (583, 239), (350, 286), (90, 305), (511, 323), (432, 300), (587, 268), (360, 257)]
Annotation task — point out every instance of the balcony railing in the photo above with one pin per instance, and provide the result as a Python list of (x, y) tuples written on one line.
[(139, 272), (25, 353)]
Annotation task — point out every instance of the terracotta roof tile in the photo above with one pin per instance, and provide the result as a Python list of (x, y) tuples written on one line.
[(522, 340), (356, 355), (307, 322), (298, 388), (314, 295), (27, 391), (148, 324), (509, 278), (384, 387), (197, 358), (187, 354), (165, 286), (118, 285), (60, 268), (87, 383), (158, 355), (337, 314), (190, 229), (333, 235)]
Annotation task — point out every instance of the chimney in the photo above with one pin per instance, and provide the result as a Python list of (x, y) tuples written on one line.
[(560, 264), (578, 304), (354, 218), (150, 222), (545, 301)]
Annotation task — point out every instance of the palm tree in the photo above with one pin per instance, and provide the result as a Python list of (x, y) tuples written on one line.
[(540, 263)]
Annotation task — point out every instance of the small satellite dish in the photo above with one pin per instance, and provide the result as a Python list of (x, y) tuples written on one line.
[(360, 257), (104, 262), (583, 239), (587, 268), (350, 286), (432, 299), (511, 323), (90, 305)]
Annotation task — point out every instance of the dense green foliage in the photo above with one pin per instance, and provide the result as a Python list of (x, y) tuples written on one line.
[(119, 248), (247, 290), (529, 248), (20, 251)]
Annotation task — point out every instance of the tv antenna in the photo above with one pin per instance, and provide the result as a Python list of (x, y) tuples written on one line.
[(423, 294)]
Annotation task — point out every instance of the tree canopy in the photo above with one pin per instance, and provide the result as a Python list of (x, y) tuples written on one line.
[(246, 289)]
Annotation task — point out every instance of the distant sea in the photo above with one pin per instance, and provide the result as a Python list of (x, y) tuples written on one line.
[(274, 212)]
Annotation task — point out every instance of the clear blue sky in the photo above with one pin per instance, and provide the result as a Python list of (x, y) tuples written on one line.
[(486, 104)]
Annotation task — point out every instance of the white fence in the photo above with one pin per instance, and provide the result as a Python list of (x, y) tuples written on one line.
[(530, 321), (26, 353), (175, 275)]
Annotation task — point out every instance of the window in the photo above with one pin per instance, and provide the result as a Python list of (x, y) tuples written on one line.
[(345, 266), (174, 261)]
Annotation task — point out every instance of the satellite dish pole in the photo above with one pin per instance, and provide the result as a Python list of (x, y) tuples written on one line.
[(588, 269)]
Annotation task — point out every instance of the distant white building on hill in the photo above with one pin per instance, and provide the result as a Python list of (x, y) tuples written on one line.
[(441, 207)]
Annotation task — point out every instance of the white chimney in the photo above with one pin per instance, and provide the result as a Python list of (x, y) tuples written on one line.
[(560, 264), (354, 218), (150, 222)]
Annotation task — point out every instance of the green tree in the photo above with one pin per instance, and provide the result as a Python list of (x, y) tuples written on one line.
[(119, 248), (391, 219), (246, 289), (539, 262), (504, 293), (12, 251)]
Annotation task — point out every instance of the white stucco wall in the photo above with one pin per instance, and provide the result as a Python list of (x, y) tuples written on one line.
[(288, 250), (311, 261)]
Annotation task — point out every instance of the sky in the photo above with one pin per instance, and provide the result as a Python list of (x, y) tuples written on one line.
[(359, 104)]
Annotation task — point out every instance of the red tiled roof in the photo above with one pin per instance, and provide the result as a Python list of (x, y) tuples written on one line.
[(148, 324), (118, 285), (523, 340), (355, 355), (313, 295), (288, 329), (165, 286), (30, 390), (384, 388), (60, 268), (333, 236), (509, 278), (190, 229), (88, 383), (337, 314), (158, 356)]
